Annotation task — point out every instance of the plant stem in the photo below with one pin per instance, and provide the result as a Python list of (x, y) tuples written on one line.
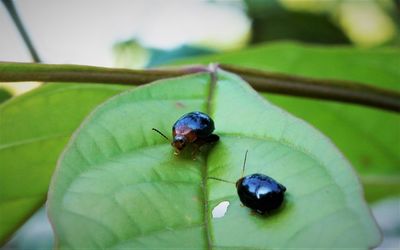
[(19, 72), (336, 90), (22, 31), (344, 91)]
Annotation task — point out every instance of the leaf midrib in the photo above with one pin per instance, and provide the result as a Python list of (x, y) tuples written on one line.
[(204, 172)]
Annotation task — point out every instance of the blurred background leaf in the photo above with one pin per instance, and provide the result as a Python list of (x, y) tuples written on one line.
[(34, 129), (272, 21), (5, 94)]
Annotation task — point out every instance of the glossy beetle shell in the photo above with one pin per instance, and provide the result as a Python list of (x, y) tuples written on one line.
[(193, 127), (260, 192), (194, 122)]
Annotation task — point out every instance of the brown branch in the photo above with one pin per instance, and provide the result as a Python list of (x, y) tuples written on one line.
[(19, 72), (336, 90)]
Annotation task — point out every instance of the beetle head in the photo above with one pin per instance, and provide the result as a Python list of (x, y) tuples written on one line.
[(239, 182), (179, 143)]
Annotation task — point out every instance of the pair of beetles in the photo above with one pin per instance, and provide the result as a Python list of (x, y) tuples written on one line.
[(259, 192)]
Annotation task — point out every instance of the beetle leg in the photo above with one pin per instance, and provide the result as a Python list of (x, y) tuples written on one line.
[(260, 212)]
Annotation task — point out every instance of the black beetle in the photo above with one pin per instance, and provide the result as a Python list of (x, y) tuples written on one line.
[(259, 192), (192, 128)]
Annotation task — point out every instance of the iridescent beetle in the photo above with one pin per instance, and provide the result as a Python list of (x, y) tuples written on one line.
[(259, 192), (192, 128)]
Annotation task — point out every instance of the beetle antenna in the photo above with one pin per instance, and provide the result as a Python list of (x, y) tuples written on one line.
[(218, 179), (158, 131), (244, 162)]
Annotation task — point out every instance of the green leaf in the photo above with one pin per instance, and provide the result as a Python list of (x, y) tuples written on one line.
[(369, 138), (272, 21), (4, 94), (119, 185), (34, 128)]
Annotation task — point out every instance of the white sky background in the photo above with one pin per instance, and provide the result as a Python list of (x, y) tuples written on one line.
[(83, 31)]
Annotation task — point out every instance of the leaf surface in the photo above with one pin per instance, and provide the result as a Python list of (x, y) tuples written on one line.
[(34, 128), (119, 185)]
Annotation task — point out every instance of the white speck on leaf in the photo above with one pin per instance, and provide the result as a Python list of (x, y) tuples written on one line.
[(220, 210)]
